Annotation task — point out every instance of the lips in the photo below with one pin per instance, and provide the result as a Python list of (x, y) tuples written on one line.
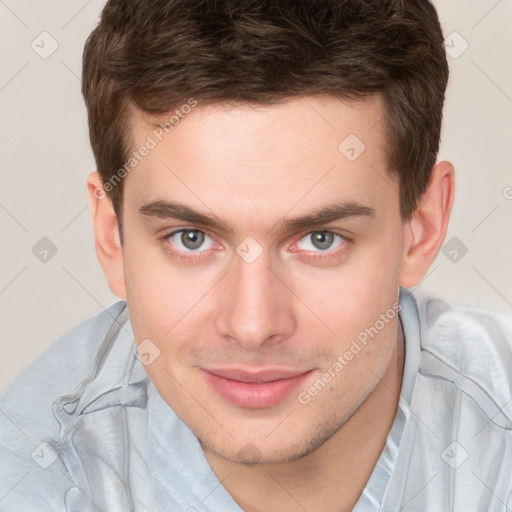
[(254, 389)]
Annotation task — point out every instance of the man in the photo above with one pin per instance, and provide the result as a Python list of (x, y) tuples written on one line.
[(267, 190)]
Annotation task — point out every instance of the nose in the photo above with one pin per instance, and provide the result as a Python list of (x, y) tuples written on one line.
[(255, 307)]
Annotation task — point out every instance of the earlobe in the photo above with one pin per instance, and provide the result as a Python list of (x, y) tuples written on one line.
[(106, 234), (426, 230)]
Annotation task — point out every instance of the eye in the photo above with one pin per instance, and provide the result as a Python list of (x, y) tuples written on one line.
[(190, 240), (322, 241)]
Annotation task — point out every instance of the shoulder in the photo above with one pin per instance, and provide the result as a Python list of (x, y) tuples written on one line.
[(458, 422), (473, 344), (66, 363), (29, 466)]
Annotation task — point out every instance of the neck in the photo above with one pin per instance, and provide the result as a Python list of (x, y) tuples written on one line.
[(321, 481)]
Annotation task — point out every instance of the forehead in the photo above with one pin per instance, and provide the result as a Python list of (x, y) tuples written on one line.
[(261, 157)]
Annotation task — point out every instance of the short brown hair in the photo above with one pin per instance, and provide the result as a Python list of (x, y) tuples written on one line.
[(156, 54)]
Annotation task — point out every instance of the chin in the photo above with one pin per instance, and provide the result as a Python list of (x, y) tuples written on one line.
[(250, 451)]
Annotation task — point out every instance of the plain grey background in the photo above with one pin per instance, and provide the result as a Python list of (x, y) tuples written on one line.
[(48, 286)]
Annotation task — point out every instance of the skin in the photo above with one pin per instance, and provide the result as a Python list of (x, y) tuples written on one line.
[(296, 306)]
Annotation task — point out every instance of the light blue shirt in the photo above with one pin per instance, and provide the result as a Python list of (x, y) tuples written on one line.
[(82, 429)]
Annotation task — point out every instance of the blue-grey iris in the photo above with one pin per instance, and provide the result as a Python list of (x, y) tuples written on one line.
[(192, 239), (322, 239)]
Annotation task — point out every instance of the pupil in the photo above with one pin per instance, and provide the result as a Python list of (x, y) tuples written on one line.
[(322, 239), (192, 239)]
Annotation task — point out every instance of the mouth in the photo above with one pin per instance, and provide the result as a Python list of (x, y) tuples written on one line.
[(254, 389)]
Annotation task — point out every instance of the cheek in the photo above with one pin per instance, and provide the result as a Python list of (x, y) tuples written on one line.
[(159, 291), (167, 306), (346, 300), (151, 296)]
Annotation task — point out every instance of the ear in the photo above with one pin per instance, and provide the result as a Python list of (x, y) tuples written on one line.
[(106, 234), (424, 233)]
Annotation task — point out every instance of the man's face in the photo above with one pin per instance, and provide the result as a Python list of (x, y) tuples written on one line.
[(252, 296)]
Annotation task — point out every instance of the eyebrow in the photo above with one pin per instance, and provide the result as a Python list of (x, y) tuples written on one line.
[(174, 210), (339, 210)]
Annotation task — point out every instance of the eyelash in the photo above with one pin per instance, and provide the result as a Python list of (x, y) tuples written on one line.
[(327, 256), (193, 255)]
